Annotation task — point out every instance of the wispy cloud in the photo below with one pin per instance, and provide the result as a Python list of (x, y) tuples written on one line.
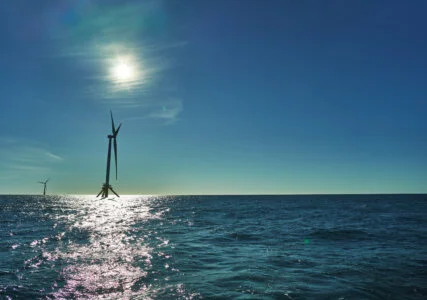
[(18, 156), (101, 33), (55, 157), (17, 167), (169, 111)]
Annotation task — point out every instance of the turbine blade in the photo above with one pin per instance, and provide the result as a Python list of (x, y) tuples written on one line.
[(117, 131), (100, 193), (112, 123), (115, 154)]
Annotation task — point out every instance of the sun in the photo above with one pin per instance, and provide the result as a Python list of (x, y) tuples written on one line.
[(123, 71)]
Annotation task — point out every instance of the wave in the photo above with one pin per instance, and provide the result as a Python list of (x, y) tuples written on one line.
[(341, 234), (241, 236)]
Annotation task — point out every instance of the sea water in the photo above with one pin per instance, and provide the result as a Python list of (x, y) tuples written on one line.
[(214, 247)]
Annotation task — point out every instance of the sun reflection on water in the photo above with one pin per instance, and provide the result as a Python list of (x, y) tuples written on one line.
[(104, 253)]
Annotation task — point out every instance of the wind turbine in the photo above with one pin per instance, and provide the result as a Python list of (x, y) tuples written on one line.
[(44, 183), (106, 186)]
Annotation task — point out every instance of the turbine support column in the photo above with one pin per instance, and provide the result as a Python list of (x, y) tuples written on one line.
[(106, 186)]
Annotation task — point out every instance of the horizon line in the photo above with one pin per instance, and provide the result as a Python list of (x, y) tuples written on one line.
[(269, 194)]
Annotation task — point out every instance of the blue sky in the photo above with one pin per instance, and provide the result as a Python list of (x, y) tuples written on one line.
[(217, 97)]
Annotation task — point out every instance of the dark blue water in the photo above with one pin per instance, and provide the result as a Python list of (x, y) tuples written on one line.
[(221, 247)]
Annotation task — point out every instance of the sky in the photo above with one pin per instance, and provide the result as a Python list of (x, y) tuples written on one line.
[(215, 97)]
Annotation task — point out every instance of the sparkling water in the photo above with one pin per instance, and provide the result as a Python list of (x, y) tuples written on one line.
[(222, 247)]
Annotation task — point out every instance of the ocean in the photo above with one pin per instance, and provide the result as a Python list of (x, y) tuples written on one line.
[(214, 247)]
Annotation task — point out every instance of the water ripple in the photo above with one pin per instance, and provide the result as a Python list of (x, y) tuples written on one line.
[(240, 247)]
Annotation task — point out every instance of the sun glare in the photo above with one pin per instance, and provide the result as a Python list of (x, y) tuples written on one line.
[(123, 70)]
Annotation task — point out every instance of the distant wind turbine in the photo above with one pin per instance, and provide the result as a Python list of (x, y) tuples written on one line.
[(106, 186), (44, 183)]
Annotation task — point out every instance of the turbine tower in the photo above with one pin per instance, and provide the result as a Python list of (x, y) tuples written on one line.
[(106, 186), (44, 183)]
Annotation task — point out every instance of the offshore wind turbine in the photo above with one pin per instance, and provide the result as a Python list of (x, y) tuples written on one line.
[(44, 183), (111, 137)]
